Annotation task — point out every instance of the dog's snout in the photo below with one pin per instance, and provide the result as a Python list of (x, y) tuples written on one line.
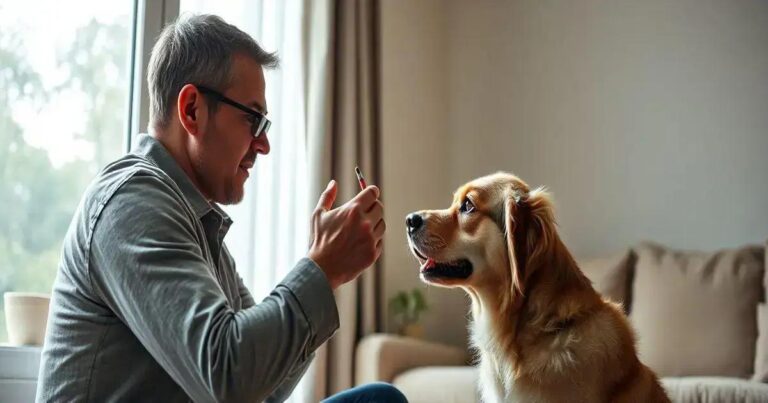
[(413, 222)]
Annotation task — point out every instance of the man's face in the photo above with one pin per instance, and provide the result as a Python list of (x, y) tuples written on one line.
[(228, 150)]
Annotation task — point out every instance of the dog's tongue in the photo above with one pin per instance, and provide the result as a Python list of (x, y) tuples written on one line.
[(430, 263)]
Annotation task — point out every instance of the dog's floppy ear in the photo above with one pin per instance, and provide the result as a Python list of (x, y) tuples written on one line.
[(530, 231)]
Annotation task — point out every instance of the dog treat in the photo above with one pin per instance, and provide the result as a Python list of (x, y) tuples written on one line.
[(360, 178)]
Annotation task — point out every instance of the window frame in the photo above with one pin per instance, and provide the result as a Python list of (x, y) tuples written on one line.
[(150, 17), (19, 364)]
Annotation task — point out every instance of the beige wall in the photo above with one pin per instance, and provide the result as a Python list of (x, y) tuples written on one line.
[(647, 120), (414, 134)]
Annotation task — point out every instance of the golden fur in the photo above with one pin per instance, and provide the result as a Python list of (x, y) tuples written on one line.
[(542, 332)]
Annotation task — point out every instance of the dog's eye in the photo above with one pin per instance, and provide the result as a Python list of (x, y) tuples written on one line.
[(467, 206)]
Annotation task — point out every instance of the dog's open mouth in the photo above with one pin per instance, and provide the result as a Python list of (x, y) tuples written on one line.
[(432, 269), (460, 269)]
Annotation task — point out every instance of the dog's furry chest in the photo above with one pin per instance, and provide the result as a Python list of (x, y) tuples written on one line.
[(541, 378), (496, 372)]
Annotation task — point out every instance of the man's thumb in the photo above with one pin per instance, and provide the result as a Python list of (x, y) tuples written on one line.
[(328, 196)]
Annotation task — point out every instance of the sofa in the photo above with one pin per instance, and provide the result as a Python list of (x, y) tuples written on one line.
[(700, 317)]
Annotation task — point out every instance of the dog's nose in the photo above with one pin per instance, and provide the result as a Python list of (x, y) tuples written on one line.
[(413, 222)]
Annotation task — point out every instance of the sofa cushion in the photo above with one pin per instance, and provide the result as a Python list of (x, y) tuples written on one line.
[(611, 276), (714, 390), (439, 384), (695, 312)]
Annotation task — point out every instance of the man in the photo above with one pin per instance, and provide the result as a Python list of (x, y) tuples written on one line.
[(147, 305)]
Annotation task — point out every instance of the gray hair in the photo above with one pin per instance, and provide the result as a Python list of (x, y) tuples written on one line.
[(196, 49)]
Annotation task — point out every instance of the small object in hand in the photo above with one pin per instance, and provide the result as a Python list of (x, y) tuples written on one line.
[(360, 178)]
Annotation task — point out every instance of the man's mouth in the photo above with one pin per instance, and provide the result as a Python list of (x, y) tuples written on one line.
[(246, 165), (432, 269)]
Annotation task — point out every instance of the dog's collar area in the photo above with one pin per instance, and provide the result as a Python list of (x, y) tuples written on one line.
[(459, 269)]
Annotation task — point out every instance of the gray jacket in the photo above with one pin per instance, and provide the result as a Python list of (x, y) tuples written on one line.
[(147, 305)]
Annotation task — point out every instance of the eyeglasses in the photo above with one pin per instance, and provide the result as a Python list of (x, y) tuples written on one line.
[(259, 124)]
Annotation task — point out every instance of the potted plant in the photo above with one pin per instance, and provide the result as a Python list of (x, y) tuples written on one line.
[(406, 307)]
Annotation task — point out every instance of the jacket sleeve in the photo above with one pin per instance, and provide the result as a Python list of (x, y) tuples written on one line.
[(156, 279)]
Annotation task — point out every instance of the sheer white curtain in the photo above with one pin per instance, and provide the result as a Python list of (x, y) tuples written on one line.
[(271, 225)]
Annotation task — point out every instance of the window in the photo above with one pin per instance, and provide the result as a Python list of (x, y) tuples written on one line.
[(64, 96)]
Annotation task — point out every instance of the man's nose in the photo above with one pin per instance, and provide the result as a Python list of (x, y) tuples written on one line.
[(260, 144), (413, 222)]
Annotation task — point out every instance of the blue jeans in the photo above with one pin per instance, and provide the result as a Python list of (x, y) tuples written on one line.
[(378, 392)]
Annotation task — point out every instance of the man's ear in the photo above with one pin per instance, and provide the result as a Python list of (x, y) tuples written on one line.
[(192, 109)]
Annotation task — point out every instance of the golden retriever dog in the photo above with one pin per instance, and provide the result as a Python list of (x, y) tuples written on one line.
[(542, 332)]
